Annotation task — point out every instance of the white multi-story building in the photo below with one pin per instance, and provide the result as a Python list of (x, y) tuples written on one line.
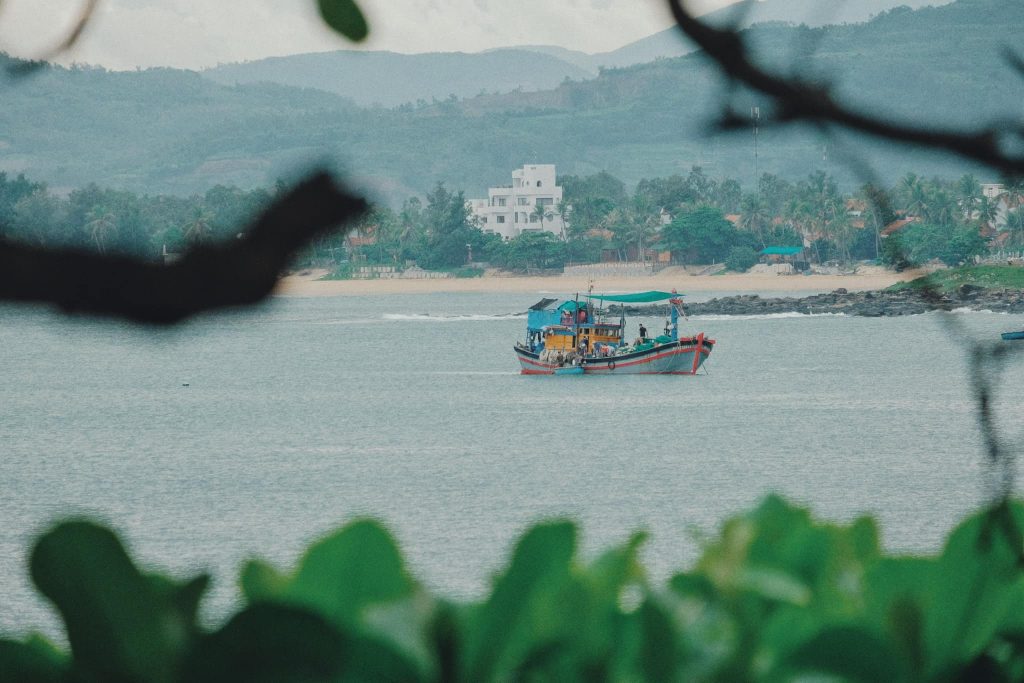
[(511, 210)]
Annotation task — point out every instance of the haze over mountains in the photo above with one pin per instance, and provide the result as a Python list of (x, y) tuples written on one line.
[(166, 130), (390, 78)]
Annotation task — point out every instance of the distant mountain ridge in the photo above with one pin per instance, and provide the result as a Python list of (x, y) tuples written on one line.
[(390, 78), (813, 13)]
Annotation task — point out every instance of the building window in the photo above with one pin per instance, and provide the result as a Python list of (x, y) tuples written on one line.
[(501, 219), (523, 201), (538, 183), (501, 201), (533, 218), (483, 219), (545, 201)]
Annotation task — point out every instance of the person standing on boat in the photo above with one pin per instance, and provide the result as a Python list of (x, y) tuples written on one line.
[(643, 332)]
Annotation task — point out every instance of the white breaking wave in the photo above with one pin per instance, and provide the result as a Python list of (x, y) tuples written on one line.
[(767, 316), (426, 317), (351, 321), (968, 309)]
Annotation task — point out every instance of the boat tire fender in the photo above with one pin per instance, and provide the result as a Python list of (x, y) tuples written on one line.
[(611, 365)]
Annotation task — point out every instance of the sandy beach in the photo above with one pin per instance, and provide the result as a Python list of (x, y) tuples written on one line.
[(308, 284)]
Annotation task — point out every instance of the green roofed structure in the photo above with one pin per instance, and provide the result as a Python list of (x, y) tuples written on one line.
[(781, 251)]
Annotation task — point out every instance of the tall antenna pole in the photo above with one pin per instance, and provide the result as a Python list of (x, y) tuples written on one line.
[(755, 117)]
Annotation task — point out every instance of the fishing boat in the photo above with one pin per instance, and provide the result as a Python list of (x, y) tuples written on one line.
[(575, 337), (1008, 336)]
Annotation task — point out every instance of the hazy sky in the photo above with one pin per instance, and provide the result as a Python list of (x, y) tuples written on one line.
[(198, 33)]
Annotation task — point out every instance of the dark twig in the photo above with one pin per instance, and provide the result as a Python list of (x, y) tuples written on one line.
[(797, 99), (209, 277), (23, 68), (1014, 59)]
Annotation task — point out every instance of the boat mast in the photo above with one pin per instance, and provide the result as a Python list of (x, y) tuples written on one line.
[(576, 324)]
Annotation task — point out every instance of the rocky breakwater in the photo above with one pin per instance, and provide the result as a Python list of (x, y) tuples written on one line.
[(884, 303)]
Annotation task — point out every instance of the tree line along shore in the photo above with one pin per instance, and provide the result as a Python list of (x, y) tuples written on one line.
[(682, 219)]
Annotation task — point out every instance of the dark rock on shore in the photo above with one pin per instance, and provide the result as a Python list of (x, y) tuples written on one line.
[(870, 304)]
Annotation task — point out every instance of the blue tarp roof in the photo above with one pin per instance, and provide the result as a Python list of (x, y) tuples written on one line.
[(781, 251)]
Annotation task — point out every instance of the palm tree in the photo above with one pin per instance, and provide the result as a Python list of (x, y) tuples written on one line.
[(755, 216), (634, 223), (797, 213), (913, 195), (562, 209), (907, 188), (198, 230), (542, 213), (1015, 226), (101, 226), (840, 230), (942, 208), (987, 212), (969, 195)]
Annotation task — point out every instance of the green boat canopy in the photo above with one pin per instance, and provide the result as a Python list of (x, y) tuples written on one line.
[(637, 298)]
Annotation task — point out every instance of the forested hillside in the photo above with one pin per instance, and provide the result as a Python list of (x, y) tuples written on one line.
[(174, 131)]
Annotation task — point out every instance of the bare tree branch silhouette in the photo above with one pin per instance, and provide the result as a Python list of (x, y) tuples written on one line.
[(207, 277), (797, 99)]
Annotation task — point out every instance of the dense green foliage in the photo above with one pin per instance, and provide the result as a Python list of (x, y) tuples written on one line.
[(741, 259), (777, 596), (704, 236), (164, 130), (952, 244), (952, 220)]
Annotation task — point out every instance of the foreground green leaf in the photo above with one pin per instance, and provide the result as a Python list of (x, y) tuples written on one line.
[(34, 661), (356, 579), (976, 583), (345, 17), (270, 644), (851, 654), (524, 612), (121, 624)]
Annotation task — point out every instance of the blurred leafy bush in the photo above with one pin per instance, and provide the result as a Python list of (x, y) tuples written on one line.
[(777, 596), (741, 259)]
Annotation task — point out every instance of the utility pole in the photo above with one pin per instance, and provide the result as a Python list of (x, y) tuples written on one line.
[(755, 117)]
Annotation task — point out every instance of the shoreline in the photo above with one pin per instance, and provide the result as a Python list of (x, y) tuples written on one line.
[(308, 284)]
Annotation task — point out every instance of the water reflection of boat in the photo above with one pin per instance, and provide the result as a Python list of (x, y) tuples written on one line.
[(574, 337)]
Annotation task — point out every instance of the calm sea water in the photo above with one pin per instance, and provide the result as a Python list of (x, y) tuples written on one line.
[(307, 412)]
